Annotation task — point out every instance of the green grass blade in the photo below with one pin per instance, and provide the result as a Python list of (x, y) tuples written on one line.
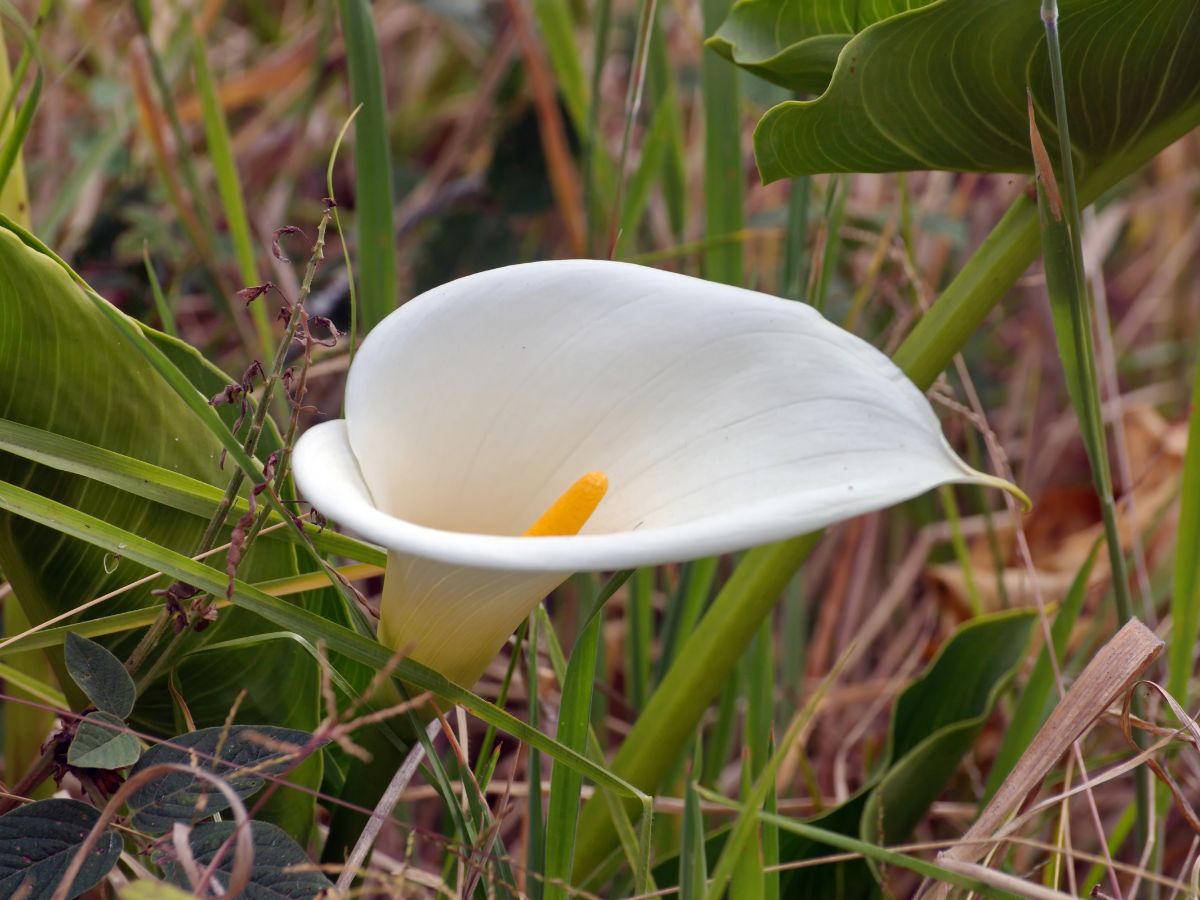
[(720, 738), (723, 190), (879, 855), (747, 878), (683, 614), (535, 845), (1066, 285), (1185, 593), (639, 636), (229, 188), (155, 483), (961, 553), (593, 145), (693, 863), (554, 20), (575, 715), (633, 845), (641, 183), (289, 617), (18, 681), (165, 314), (372, 163), (1035, 703), (755, 793), (769, 835), (796, 252), (14, 137), (665, 104), (760, 696), (831, 243)]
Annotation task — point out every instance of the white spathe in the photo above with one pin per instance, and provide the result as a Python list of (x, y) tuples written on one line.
[(723, 418)]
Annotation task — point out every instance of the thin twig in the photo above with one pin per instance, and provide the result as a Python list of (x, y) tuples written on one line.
[(383, 809)]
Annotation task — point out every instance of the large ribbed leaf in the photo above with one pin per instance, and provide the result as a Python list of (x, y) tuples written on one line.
[(64, 368), (795, 43), (943, 86)]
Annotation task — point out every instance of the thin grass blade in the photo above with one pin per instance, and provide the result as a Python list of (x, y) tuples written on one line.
[(372, 164)]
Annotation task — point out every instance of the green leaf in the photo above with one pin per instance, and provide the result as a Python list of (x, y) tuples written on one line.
[(943, 86), (68, 367), (103, 741), (797, 45), (38, 842), (14, 198), (938, 717), (693, 860), (100, 675), (239, 756), (281, 871), (934, 723), (229, 187)]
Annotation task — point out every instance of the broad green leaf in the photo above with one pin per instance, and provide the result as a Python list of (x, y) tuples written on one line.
[(938, 717), (102, 741), (100, 675), (66, 368), (239, 756), (943, 86), (281, 870), (934, 723), (38, 842), (796, 43)]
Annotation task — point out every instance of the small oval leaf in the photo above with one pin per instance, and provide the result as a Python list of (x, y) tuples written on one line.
[(240, 757), (100, 675), (281, 871), (38, 842), (102, 741)]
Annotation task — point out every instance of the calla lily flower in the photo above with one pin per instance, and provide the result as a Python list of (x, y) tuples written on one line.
[(723, 419)]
